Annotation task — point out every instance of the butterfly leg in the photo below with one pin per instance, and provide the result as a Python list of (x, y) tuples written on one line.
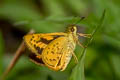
[(75, 57), (80, 44), (84, 35)]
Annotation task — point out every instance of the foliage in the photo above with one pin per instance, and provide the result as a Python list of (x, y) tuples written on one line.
[(1, 53), (102, 56)]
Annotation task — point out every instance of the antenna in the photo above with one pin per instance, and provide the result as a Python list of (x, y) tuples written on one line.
[(79, 20)]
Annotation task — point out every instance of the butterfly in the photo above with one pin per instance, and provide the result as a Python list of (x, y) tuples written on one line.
[(54, 50)]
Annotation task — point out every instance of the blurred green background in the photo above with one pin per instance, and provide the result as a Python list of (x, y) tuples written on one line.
[(102, 61)]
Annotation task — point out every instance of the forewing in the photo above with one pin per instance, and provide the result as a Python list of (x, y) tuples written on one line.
[(37, 42)]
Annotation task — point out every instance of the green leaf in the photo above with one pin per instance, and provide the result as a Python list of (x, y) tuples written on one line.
[(78, 71), (115, 61), (54, 8), (1, 53), (17, 11)]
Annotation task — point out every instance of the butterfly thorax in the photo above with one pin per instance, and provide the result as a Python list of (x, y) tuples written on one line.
[(72, 34), (72, 40)]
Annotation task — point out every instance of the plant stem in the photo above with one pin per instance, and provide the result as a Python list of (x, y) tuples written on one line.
[(16, 57)]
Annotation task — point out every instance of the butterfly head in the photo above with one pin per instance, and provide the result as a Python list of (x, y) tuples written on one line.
[(72, 29)]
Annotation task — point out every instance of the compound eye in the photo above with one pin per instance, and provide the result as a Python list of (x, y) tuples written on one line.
[(72, 29)]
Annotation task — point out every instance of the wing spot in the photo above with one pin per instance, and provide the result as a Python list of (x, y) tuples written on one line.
[(57, 57), (52, 52), (54, 59), (54, 45), (58, 48), (34, 40), (38, 36), (59, 63), (50, 59), (31, 39), (37, 41), (47, 52), (34, 46), (32, 36)]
